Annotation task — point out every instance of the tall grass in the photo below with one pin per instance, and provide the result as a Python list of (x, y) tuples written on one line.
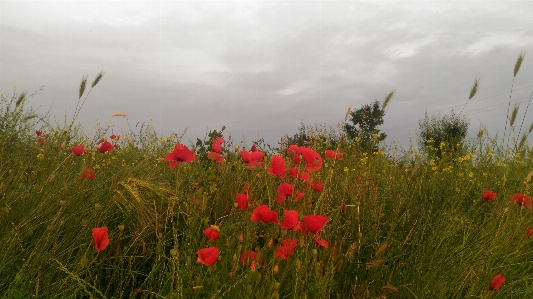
[(400, 225)]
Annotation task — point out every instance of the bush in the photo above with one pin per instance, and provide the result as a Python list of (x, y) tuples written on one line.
[(441, 136)]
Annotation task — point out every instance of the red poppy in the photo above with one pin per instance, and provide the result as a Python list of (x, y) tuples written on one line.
[(115, 137), (321, 242), (105, 147), (100, 238), (211, 233), (215, 157), (100, 141), (317, 186), (46, 135), (87, 174), (315, 223), (77, 150), (208, 256), (528, 232), (290, 219), (284, 190), (304, 176), (242, 201), (287, 249), (180, 154), (299, 195), (277, 166), (489, 195), (249, 257), (497, 282), (293, 172), (522, 199), (217, 148), (264, 214), (38, 133), (312, 159), (252, 159), (254, 148), (333, 155)]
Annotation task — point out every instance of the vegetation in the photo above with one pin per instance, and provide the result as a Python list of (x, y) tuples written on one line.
[(364, 122), (138, 215), (441, 137)]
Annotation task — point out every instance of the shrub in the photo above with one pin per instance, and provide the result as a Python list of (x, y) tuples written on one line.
[(440, 136)]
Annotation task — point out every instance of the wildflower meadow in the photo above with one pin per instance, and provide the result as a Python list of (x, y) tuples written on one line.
[(132, 214)]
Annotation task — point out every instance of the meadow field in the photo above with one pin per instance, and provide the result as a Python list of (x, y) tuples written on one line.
[(134, 214)]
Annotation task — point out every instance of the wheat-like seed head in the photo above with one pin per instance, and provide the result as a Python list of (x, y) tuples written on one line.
[(348, 113), (82, 85), (518, 63), (387, 99), (513, 114), (97, 79), (21, 98), (474, 89)]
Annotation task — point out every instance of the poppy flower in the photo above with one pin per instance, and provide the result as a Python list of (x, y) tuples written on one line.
[(290, 219), (253, 149), (106, 146), (180, 154), (77, 150), (317, 186), (215, 157), (38, 133), (115, 137), (333, 155), (321, 242), (293, 172), (212, 233), (287, 249), (522, 200), (277, 166), (87, 174), (252, 158), (249, 257), (264, 214), (284, 190), (489, 195), (312, 159), (100, 238), (299, 196), (497, 282), (528, 232), (242, 201), (208, 256), (304, 176), (315, 223), (217, 148)]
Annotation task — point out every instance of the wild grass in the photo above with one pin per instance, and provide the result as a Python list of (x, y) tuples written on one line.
[(401, 225)]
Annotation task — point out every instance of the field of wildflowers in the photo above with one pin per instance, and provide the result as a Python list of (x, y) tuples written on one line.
[(137, 215)]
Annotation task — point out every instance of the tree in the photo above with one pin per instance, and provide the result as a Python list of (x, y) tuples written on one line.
[(364, 124), (439, 136)]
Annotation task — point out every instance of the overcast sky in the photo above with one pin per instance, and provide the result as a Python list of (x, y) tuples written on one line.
[(261, 67)]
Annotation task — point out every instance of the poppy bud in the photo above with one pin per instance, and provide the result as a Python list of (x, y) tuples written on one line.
[(121, 227), (275, 270)]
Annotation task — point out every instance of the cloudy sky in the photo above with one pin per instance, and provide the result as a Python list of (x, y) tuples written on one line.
[(261, 67)]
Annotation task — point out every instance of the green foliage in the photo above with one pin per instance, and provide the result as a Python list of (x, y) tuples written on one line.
[(312, 136), (363, 125), (442, 136)]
